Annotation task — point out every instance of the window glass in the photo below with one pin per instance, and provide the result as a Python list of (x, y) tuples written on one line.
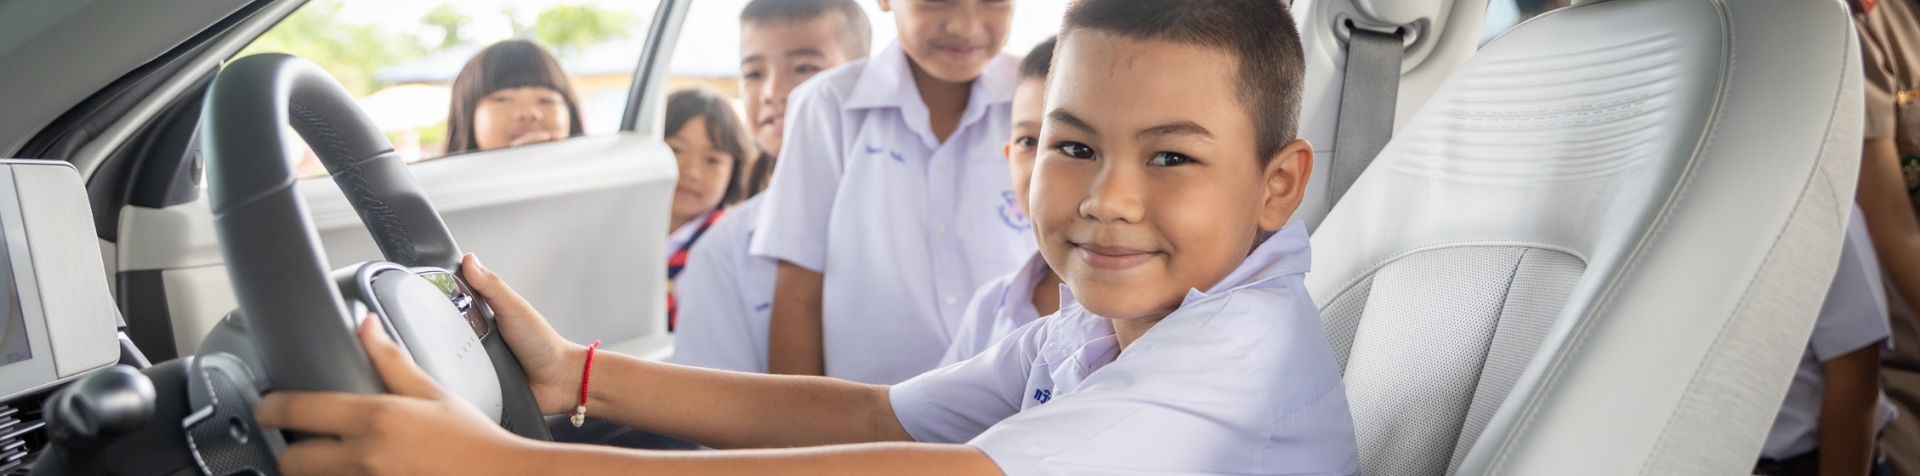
[(400, 59), (1502, 15)]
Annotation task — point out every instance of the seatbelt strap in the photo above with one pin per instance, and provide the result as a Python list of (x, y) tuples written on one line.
[(1367, 103)]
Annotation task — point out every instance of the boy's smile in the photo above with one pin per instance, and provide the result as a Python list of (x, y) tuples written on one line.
[(1148, 182), (951, 39), (776, 56)]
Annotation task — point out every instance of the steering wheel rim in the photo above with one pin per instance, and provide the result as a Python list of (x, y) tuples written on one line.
[(292, 307)]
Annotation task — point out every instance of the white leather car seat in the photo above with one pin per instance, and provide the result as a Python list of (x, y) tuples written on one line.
[(1600, 246), (1439, 34)]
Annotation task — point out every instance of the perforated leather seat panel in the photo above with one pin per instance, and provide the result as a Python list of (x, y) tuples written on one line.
[(1599, 246)]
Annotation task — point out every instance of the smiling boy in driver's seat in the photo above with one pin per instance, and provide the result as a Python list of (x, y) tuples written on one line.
[(1186, 342)]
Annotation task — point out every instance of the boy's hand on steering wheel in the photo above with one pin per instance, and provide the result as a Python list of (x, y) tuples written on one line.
[(552, 363), (419, 429)]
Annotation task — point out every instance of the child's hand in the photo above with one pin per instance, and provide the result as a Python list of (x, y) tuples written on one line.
[(533, 137), (552, 363), (420, 429)]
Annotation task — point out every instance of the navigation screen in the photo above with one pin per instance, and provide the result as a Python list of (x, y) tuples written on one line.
[(13, 344)]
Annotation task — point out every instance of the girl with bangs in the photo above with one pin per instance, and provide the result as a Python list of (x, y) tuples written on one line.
[(512, 93)]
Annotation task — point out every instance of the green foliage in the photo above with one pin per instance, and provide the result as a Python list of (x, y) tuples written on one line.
[(350, 52), (449, 20), (568, 28)]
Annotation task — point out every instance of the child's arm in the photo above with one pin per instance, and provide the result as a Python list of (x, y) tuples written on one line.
[(794, 333), (423, 430), (715, 408), (1847, 415)]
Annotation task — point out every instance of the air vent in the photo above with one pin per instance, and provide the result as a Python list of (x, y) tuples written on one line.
[(22, 435)]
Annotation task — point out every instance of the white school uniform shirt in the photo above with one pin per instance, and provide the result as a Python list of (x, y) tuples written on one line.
[(726, 296), (997, 309), (1853, 316), (904, 227), (1238, 380)]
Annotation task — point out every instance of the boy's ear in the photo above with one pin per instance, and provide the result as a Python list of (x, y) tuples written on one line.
[(1006, 150), (886, 5), (1286, 180)]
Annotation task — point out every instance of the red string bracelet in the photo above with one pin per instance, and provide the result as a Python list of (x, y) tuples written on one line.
[(580, 412)]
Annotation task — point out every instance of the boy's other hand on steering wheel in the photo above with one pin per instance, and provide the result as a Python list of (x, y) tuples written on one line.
[(419, 429), (552, 363)]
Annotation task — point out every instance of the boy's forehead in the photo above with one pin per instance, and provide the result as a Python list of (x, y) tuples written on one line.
[(1141, 80), (780, 33)]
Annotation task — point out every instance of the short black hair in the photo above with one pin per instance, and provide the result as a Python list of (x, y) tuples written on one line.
[(1259, 34), (724, 130), (856, 36), (505, 65), (1039, 62)]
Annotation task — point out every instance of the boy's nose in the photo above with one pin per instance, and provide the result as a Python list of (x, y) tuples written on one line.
[(965, 21), (1114, 196)]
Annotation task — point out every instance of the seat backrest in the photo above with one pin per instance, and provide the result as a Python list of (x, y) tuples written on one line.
[(1441, 35), (1600, 246)]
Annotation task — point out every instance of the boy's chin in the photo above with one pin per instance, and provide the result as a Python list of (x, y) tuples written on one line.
[(1123, 304)]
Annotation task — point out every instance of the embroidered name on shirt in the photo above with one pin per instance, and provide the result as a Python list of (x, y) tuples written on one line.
[(894, 154), (1042, 395), (1011, 214)]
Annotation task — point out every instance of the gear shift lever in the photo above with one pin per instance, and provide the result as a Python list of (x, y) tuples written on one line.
[(93, 411), (110, 403)]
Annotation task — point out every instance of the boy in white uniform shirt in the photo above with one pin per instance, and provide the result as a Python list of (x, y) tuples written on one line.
[(1834, 409), (1170, 168), (726, 293), (891, 203), (1020, 297)]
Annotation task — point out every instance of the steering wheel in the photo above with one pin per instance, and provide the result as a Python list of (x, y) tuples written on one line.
[(301, 316)]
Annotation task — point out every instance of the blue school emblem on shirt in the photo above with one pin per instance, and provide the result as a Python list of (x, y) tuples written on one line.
[(1042, 395), (1011, 214)]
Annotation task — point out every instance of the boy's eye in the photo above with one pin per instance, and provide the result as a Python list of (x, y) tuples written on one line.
[(806, 69), (1169, 159), (753, 76), (1075, 150), (1027, 142)]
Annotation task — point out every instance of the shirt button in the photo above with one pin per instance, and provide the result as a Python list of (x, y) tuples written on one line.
[(951, 300), (940, 229), (942, 165)]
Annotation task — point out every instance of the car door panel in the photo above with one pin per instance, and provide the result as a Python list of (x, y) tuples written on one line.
[(580, 223), (576, 226)]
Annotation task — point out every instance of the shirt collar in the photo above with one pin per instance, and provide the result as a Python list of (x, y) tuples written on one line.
[(1019, 294), (680, 236), (1283, 254), (887, 82)]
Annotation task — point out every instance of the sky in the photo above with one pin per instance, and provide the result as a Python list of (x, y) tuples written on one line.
[(709, 41)]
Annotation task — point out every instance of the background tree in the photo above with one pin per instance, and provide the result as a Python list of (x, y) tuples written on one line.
[(450, 21), (570, 28), (351, 52)]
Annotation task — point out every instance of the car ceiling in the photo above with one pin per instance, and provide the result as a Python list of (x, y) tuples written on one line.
[(56, 53)]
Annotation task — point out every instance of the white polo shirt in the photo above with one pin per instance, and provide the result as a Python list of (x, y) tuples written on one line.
[(725, 297), (997, 309), (904, 227), (1853, 316), (1239, 380)]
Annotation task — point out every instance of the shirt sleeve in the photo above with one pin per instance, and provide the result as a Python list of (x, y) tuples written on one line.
[(1235, 393), (793, 226), (976, 324), (1854, 314), (713, 330), (1880, 82), (954, 403)]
